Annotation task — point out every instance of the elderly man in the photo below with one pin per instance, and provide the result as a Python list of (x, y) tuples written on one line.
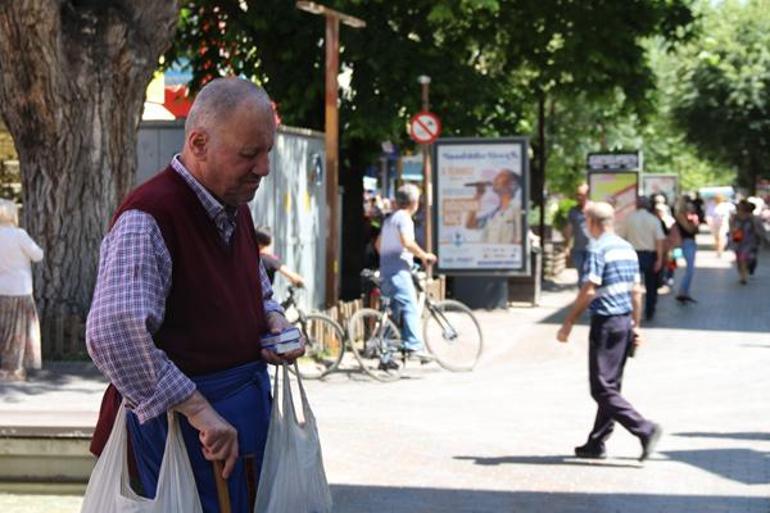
[(503, 224), (181, 300), (576, 231), (643, 230), (612, 293)]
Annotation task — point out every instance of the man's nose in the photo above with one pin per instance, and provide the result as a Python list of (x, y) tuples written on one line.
[(262, 167)]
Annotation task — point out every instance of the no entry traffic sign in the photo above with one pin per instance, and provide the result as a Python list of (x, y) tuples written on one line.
[(424, 127)]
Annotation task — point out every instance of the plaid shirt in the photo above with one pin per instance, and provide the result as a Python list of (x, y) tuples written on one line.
[(129, 303)]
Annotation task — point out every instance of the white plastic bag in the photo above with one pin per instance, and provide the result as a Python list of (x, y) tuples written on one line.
[(292, 478), (109, 490)]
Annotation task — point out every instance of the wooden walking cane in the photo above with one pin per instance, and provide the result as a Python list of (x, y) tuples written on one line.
[(223, 494)]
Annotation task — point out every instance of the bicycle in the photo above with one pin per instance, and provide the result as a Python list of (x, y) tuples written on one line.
[(324, 340), (451, 334)]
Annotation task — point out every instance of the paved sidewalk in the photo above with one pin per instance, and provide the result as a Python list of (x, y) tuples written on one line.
[(500, 439)]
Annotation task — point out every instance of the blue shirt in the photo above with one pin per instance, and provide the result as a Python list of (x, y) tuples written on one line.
[(394, 257), (612, 265), (580, 236)]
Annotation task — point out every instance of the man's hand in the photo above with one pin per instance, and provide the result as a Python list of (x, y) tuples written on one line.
[(219, 439), (658, 265), (429, 258), (636, 337), (564, 331), (276, 323)]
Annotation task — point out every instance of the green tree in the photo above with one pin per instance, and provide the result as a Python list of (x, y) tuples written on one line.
[(723, 103)]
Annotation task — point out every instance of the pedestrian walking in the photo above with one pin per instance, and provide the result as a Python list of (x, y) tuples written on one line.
[(397, 248), (687, 227), (643, 230), (181, 301), (746, 232), (666, 275), (577, 231), (19, 325), (720, 222), (612, 293)]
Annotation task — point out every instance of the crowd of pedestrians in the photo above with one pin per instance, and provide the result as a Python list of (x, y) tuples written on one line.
[(664, 238)]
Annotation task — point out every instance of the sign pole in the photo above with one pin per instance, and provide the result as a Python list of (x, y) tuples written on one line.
[(427, 181)]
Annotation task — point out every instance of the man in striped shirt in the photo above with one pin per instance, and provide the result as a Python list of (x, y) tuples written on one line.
[(612, 293)]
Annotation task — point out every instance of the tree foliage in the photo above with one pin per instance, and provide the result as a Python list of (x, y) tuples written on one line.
[(723, 100), (489, 59)]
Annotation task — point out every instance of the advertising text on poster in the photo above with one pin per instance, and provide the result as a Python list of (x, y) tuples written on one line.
[(481, 191)]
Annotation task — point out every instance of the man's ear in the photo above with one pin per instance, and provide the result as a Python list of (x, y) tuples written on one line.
[(198, 142)]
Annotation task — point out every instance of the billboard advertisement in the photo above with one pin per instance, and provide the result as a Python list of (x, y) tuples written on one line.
[(661, 184), (619, 189), (481, 187)]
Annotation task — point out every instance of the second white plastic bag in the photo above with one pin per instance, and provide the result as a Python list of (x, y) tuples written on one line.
[(292, 478)]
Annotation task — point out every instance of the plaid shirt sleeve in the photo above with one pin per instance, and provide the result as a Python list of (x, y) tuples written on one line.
[(128, 307), (271, 305)]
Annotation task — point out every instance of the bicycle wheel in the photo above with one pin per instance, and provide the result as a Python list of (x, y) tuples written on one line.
[(375, 342), (324, 345), (453, 335)]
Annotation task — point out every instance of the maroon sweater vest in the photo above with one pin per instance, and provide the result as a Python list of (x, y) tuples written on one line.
[(214, 313)]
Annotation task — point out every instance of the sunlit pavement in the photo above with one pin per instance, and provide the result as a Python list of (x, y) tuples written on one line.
[(500, 439)]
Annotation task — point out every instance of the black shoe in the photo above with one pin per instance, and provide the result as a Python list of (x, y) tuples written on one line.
[(649, 443), (591, 452), (388, 366)]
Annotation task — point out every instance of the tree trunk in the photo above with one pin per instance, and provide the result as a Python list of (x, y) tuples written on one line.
[(72, 85)]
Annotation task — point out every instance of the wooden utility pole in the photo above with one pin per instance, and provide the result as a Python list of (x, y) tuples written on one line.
[(331, 132)]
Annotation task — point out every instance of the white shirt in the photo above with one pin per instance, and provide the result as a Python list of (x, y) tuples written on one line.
[(17, 252), (642, 230), (394, 256), (503, 226)]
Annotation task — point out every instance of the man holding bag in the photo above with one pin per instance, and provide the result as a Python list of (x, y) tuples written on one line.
[(182, 299)]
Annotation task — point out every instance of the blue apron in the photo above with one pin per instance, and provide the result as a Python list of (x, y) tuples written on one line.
[(242, 397)]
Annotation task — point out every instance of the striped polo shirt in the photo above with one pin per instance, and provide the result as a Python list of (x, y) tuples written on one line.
[(612, 266)]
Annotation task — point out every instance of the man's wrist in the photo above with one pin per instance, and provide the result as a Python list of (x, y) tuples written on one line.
[(193, 405)]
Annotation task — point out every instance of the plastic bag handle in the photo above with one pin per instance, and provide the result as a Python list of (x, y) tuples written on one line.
[(306, 411)]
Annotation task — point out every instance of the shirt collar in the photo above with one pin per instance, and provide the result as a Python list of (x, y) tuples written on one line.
[(213, 207)]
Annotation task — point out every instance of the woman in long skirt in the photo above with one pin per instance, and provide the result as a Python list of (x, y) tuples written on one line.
[(19, 326)]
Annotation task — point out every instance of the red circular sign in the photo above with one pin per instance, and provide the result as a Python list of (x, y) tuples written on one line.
[(424, 127)]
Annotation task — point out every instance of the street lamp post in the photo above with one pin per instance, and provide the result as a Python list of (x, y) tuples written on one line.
[(424, 81), (331, 133)]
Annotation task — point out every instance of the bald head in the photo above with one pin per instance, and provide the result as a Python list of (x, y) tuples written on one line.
[(601, 213), (220, 99)]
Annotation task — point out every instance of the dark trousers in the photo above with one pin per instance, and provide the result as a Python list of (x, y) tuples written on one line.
[(647, 267), (609, 342)]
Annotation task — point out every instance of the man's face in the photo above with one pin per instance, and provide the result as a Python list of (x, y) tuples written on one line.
[(582, 197), (237, 157), (503, 184)]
